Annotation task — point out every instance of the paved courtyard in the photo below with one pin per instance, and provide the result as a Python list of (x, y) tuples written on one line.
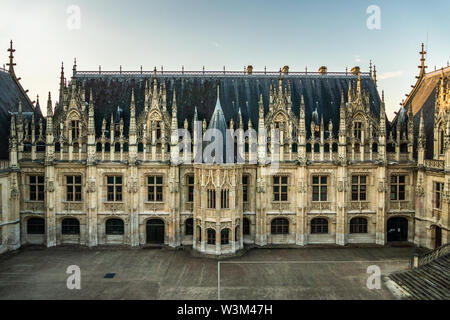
[(149, 273)]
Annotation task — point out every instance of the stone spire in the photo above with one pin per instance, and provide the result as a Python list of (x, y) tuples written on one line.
[(342, 120), (132, 113), (61, 85), (302, 123), (382, 129), (49, 115), (421, 141), (91, 122), (174, 111)]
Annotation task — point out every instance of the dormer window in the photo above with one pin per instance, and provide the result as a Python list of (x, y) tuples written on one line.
[(357, 130), (158, 129), (441, 142), (75, 129)]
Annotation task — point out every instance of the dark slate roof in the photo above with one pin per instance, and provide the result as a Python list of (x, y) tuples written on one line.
[(10, 94), (236, 92), (423, 100)]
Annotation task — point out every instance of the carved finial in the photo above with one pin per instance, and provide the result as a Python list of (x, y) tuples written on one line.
[(11, 63)]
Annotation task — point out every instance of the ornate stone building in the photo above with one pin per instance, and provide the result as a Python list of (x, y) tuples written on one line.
[(107, 165)]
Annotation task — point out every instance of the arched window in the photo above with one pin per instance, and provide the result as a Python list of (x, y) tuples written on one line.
[(279, 226), (225, 236), (308, 147), (225, 199), (70, 226), (114, 227), (211, 236), (319, 225), (403, 148), (36, 226), (140, 147), (326, 147), (117, 147), (57, 147), (358, 225), (107, 147), (189, 227), (99, 147), (246, 226), (441, 141), (125, 147), (294, 147)]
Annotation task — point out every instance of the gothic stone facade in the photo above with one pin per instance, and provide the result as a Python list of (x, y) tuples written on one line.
[(100, 169)]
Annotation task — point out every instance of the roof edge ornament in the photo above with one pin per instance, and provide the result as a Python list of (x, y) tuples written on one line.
[(11, 63)]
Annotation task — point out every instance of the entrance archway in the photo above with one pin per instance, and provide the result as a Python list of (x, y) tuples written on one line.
[(155, 231), (436, 236), (397, 229)]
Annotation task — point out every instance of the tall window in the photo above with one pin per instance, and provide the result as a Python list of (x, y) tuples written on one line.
[(438, 189), (190, 188), (70, 226), (359, 188), (73, 188), (36, 188), (320, 190), (115, 227), (319, 225), (211, 199), (398, 187), (279, 226), (245, 188), (114, 185), (211, 236), (358, 225), (155, 188), (441, 142), (75, 129), (245, 226), (357, 130), (225, 199), (280, 188), (189, 227)]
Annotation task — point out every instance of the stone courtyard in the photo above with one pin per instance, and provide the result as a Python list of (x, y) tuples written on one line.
[(161, 273)]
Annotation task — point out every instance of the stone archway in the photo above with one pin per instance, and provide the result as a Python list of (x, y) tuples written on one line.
[(155, 231), (397, 229)]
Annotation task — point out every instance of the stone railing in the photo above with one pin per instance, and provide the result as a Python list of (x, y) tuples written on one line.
[(419, 261), (321, 205), (154, 206), (189, 206), (281, 205), (34, 206), (359, 205), (435, 164), (399, 205), (72, 206), (114, 206)]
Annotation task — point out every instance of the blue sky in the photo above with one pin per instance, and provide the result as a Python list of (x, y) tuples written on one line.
[(231, 33)]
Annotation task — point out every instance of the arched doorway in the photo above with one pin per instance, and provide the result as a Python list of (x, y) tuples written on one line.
[(397, 229), (155, 231), (436, 236)]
